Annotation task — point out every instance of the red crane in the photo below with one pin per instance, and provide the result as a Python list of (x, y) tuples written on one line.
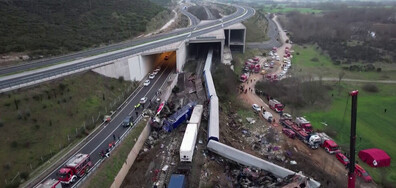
[(351, 173)]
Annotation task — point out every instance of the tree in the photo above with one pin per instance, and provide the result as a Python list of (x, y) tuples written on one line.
[(340, 76)]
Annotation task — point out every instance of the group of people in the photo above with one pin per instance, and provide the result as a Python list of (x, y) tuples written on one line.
[(242, 88)]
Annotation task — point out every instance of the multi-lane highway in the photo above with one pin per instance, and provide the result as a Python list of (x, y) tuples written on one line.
[(193, 19), (20, 79), (104, 136)]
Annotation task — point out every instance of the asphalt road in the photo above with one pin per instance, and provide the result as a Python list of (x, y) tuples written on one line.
[(272, 33), (105, 136), (20, 79), (194, 20), (101, 140)]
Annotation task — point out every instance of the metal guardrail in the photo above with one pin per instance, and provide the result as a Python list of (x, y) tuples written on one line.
[(15, 83), (89, 136), (100, 161)]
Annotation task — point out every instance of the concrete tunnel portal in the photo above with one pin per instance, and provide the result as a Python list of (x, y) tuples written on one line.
[(199, 51), (163, 60), (175, 55)]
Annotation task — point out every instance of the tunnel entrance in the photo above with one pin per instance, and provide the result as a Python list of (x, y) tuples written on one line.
[(162, 60), (199, 51)]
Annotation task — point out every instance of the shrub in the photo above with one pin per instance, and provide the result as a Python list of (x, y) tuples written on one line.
[(62, 86), (14, 144), (121, 79), (7, 166), (19, 116), (370, 88), (315, 59), (379, 69), (175, 89), (24, 175)]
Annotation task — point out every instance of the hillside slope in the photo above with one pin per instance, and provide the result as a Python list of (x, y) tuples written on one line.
[(48, 27)]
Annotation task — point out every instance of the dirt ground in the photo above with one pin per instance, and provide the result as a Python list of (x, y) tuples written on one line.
[(162, 148), (260, 139), (318, 159)]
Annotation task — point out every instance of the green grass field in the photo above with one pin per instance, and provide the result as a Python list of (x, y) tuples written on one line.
[(374, 127), (38, 122), (106, 173), (304, 64), (286, 9)]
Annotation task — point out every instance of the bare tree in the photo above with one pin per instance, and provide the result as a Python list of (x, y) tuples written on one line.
[(340, 76)]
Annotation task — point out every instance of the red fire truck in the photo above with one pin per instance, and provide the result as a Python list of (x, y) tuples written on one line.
[(75, 168)]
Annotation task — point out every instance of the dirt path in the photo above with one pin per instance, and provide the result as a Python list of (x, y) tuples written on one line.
[(317, 157)]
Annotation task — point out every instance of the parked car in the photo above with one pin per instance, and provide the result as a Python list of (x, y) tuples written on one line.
[(256, 107), (362, 173), (146, 83), (143, 100), (289, 133), (151, 76), (127, 121), (342, 158)]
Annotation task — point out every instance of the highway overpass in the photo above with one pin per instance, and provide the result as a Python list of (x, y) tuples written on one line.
[(185, 42), (118, 53)]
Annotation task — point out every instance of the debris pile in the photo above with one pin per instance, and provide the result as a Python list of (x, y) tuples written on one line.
[(243, 176)]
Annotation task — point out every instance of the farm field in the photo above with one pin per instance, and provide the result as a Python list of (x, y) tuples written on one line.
[(311, 61), (375, 128)]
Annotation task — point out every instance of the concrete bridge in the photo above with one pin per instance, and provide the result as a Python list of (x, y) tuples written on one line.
[(137, 66)]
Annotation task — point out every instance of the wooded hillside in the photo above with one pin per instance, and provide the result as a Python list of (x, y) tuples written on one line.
[(48, 27)]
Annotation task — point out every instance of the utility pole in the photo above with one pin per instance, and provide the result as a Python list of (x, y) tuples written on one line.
[(351, 173)]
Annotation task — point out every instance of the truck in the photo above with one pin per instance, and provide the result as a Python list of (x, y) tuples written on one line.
[(304, 124), (328, 143), (177, 181), (330, 146), (312, 140), (75, 168), (286, 116), (256, 59), (244, 77), (196, 115), (188, 144), (179, 117), (50, 183), (275, 105), (257, 68), (267, 116)]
